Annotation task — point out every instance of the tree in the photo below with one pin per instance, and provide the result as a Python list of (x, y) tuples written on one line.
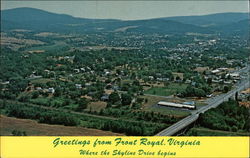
[(118, 71), (125, 87), (225, 89), (58, 92), (209, 81), (35, 94), (177, 78), (199, 92), (18, 133), (114, 97), (234, 128), (236, 96), (136, 83), (66, 102), (82, 104), (166, 83), (24, 98), (126, 99)]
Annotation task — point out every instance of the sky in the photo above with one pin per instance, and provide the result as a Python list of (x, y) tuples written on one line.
[(130, 9)]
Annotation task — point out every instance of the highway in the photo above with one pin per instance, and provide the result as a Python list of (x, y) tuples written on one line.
[(212, 103)]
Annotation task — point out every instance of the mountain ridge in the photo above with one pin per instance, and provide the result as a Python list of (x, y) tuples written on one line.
[(40, 20)]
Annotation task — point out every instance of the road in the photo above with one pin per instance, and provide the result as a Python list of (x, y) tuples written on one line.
[(212, 103), (223, 97)]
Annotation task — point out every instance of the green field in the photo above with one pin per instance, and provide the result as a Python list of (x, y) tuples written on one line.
[(171, 89), (49, 101), (152, 100), (40, 101), (55, 46)]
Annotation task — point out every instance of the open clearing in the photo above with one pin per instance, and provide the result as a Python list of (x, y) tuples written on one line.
[(32, 128), (97, 106), (171, 89), (55, 46), (153, 100)]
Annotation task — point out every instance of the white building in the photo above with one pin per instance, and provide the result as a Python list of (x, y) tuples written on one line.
[(51, 90)]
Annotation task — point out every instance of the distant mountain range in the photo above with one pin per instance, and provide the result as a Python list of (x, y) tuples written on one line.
[(40, 20), (212, 19)]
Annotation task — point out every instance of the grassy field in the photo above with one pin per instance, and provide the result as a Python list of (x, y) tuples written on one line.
[(32, 128), (52, 101), (209, 132), (153, 100), (97, 106), (56, 46), (40, 101), (171, 89)]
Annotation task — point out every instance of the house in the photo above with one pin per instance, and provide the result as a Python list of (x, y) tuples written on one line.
[(209, 95), (107, 73), (115, 87), (188, 81), (228, 82), (76, 70), (235, 76), (151, 77), (39, 88), (215, 71), (223, 69), (33, 76), (82, 69), (105, 97), (162, 79), (6, 82), (244, 95), (87, 84), (51, 90), (91, 93), (78, 86), (88, 68)]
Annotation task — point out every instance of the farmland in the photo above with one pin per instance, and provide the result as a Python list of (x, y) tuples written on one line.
[(32, 128), (51, 47)]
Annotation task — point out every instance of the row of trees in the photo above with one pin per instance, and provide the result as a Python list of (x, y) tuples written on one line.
[(228, 116), (125, 99), (128, 127), (43, 116), (198, 88), (138, 115)]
